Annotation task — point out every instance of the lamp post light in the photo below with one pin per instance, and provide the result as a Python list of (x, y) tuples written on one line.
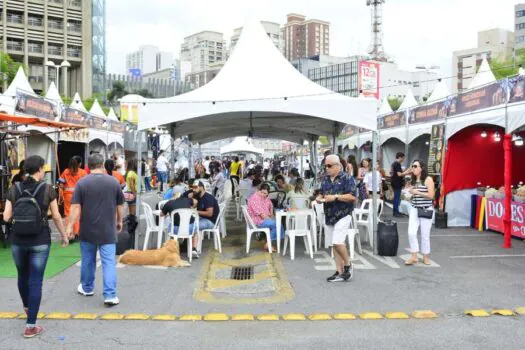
[(65, 64), (427, 69)]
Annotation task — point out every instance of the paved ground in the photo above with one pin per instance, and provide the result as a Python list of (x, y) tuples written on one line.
[(470, 271)]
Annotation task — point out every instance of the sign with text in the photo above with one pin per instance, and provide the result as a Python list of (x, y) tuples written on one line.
[(369, 78), (129, 112), (74, 116), (485, 97), (35, 106), (517, 92), (428, 113), (495, 209), (348, 131), (96, 123), (81, 135), (117, 127), (436, 151), (391, 120)]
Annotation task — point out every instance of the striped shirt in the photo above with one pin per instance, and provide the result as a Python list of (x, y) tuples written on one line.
[(420, 201)]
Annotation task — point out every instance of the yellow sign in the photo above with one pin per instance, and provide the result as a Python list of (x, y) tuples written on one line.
[(129, 112)]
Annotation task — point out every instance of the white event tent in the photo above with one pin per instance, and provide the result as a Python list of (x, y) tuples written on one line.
[(241, 145)]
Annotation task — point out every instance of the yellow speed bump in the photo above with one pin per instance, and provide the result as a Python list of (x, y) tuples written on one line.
[(112, 317), (477, 313), (164, 318), (344, 316), (85, 316), (5, 315), (58, 316), (370, 316), (24, 316), (216, 317), (503, 312), (320, 317), (136, 317), (243, 317), (422, 314), (294, 317), (396, 316), (520, 311), (190, 318), (268, 317)]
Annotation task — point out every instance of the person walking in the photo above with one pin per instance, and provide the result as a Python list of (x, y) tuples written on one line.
[(337, 189), (397, 180), (162, 170), (99, 203), (146, 175), (132, 181), (234, 173), (421, 213), (31, 241), (109, 165), (68, 181)]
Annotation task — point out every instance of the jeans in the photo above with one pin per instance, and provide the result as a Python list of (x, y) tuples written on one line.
[(397, 200), (147, 183), (414, 223), (233, 186), (204, 224), (89, 266), (270, 223), (162, 178), (30, 263)]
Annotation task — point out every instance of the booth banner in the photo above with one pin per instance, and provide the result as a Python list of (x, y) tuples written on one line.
[(485, 97), (74, 116), (117, 127), (96, 123), (369, 78), (81, 135), (129, 112), (391, 120), (436, 151), (348, 131), (495, 210), (517, 93), (35, 106), (428, 113)]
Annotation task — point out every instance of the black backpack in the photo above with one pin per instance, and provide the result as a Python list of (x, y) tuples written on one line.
[(27, 215)]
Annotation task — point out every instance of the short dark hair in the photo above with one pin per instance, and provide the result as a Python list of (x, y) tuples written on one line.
[(279, 177), (294, 172), (399, 155), (264, 186), (109, 165), (96, 161), (256, 182), (191, 182), (33, 164)]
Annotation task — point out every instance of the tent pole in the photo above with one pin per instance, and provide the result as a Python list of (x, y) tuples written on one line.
[(374, 192), (192, 167), (507, 177), (139, 189), (407, 160), (301, 149)]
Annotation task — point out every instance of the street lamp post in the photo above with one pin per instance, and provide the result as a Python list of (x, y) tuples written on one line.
[(427, 69), (65, 64)]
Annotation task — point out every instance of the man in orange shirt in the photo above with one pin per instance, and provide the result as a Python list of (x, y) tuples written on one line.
[(68, 180)]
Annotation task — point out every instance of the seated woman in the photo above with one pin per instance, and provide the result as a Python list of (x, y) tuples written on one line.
[(175, 187), (260, 209), (298, 197)]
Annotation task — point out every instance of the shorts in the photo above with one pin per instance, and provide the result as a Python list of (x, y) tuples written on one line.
[(337, 233)]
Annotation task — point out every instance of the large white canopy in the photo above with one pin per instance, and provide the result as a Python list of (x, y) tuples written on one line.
[(483, 77), (258, 91), (440, 92), (97, 110), (112, 115), (77, 103), (241, 145), (409, 101), (53, 94), (385, 107), (7, 100)]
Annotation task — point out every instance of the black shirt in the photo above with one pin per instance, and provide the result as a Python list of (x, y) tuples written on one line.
[(17, 178), (397, 181), (174, 204), (44, 197), (208, 201)]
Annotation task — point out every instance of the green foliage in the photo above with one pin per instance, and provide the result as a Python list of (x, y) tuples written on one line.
[(67, 100), (8, 68), (88, 103), (395, 103), (144, 93), (323, 140), (118, 91), (509, 67)]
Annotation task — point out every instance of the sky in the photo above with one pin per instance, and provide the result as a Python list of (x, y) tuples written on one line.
[(416, 32)]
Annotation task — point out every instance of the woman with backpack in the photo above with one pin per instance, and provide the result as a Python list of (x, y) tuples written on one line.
[(31, 235), (68, 180)]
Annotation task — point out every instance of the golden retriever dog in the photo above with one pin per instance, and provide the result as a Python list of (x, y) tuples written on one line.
[(168, 255)]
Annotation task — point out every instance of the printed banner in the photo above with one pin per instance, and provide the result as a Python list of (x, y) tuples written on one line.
[(436, 151), (369, 78), (428, 113), (495, 210), (485, 97), (391, 120), (81, 135), (117, 127), (517, 92), (35, 106), (74, 116), (348, 131), (96, 123)]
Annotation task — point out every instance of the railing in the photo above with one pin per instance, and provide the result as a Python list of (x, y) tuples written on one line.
[(14, 18), (36, 79), (34, 21), (77, 3), (74, 28), (74, 52), (57, 51), (54, 25), (35, 48), (60, 2), (15, 46)]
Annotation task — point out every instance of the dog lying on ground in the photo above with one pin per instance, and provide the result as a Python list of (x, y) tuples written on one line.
[(168, 255)]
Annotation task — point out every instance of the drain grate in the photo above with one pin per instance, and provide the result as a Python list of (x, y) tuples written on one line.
[(242, 273)]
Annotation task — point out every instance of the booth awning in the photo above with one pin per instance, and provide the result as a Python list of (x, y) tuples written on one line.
[(41, 122)]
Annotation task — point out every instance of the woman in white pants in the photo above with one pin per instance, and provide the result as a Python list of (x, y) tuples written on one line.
[(423, 192)]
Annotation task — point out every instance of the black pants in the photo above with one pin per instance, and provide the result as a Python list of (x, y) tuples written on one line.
[(233, 185)]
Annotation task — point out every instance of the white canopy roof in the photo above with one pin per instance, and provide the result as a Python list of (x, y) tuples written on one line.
[(241, 145), (77, 103), (112, 115), (258, 90), (385, 107), (409, 101), (52, 93), (97, 110), (440, 92), (483, 77), (19, 82)]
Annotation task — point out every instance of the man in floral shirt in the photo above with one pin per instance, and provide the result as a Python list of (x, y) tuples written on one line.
[(336, 194)]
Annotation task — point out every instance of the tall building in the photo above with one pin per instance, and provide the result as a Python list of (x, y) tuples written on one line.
[(203, 49), (519, 25), (305, 38), (272, 29), (164, 60), (148, 59), (34, 32), (494, 43)]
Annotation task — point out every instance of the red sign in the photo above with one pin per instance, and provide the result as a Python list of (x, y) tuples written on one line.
[(369, 78), (494, 211)]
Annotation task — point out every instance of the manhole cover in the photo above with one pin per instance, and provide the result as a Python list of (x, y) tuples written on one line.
[(242, 273)]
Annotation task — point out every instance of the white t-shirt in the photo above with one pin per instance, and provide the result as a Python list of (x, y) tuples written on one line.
[(206, 165), (266, 165), (162, 164), (368, 181)]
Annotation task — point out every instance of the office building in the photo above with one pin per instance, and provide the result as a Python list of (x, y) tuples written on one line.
[(203, 49), (304, 65), (272, 29), (494, 43), (148, 59), (519, 26), (34, 32), (203, 77), (305, 38)]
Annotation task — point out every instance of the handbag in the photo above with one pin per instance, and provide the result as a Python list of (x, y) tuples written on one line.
[(425, 213), (129, 196)]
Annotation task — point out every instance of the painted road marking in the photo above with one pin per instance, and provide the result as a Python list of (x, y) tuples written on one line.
[(465, 235), (488, 256), (328, 263), (388, 261)]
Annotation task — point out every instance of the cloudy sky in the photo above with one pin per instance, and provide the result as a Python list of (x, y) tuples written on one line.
[(416, 31)]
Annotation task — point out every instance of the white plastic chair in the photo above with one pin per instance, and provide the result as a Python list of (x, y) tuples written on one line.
[(151, 227), (319, 212), (299, 202), (241, 200), (162, 203), (299, 225), (215, 230), (185, 216), (251, 228), (364, 216)]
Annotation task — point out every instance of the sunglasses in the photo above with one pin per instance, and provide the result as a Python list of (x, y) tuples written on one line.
[(329, 166), (415, 166)]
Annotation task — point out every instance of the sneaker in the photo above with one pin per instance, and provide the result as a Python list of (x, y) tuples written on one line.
[(194, 254), (33, 331), (336, 278), (111, 301), (348, 272), (329, 279), (81, 291)]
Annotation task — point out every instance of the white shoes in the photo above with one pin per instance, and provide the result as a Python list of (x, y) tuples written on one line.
[(112, 301), (82, 292)]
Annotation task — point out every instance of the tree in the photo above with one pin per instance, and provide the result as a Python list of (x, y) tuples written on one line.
[(67, 99), (8, 68), (324, 140), (506, 68), (118, 91), (395, 103), (143, 93)]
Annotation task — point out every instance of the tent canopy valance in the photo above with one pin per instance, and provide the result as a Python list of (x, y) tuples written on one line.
[(258, 79)]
